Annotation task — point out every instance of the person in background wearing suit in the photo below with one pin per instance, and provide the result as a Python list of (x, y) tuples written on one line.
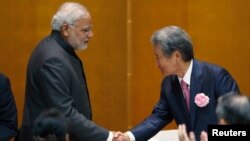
[(8, 110), (232, 109), (189, 90), (56, 79)]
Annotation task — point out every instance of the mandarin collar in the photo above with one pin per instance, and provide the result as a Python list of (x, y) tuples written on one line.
[(57, 36)]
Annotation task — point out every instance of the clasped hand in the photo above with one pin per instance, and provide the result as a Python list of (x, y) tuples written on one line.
[(119, 136)]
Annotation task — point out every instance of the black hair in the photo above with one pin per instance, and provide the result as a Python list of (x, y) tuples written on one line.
[(234, 108), (50, 126)]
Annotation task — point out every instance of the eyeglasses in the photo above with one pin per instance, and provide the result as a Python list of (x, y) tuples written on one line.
[(86, 29)]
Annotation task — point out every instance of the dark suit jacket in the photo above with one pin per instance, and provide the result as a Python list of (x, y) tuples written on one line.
[(209, 79), (55, 78), (8, 111)]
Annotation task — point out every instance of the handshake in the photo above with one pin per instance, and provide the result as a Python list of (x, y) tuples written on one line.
[(119, 136)]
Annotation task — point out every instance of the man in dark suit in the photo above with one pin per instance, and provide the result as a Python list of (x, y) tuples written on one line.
[(56, 79), (8, 111), (189, 90)]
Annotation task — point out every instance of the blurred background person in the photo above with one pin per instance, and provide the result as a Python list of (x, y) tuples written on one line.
[(233, 109), (8, 110), (50, 126)]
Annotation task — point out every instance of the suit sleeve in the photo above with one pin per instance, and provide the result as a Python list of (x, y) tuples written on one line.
[(159, 118), (8, 111), (225, 83), (55, 85)]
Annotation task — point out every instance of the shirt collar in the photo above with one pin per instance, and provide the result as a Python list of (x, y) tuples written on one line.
[(187, 76)]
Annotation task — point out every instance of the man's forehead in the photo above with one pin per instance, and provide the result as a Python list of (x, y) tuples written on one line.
[(83, 21)]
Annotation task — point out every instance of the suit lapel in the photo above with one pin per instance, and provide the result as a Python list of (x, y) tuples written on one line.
[(180, 99), (196, 87)]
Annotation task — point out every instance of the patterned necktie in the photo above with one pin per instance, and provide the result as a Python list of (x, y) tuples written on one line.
[(186, 92)]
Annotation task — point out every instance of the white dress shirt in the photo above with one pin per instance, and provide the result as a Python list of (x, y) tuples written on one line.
[(110, 136)]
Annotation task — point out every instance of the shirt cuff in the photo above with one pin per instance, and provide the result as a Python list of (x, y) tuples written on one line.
[(130, 135), (110, 136)]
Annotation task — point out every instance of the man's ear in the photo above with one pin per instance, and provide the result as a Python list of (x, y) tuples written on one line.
[(222, 121), (177, 55), (67, 137), (65, 30)]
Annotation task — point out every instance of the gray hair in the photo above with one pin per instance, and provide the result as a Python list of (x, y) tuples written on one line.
[(173, 38), (68, 13)]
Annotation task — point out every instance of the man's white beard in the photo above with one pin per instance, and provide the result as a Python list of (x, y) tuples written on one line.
[(82, 47), (74, 45)]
